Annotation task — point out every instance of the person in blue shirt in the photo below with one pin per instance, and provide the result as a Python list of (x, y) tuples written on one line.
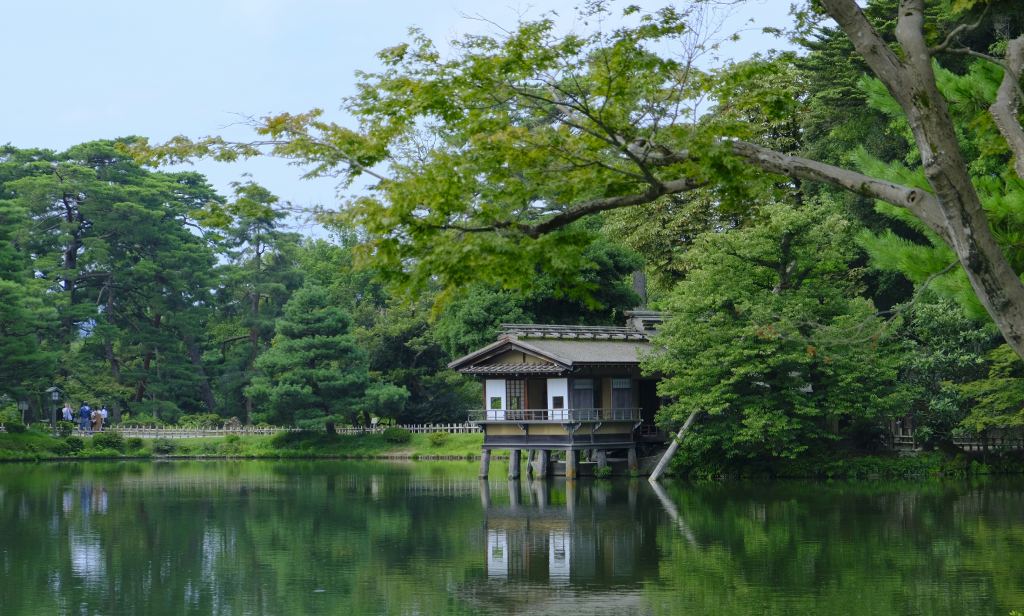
[(84, 417)]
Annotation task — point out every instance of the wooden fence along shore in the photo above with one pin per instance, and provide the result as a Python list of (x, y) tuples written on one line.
[(180, 432), (902, 440)]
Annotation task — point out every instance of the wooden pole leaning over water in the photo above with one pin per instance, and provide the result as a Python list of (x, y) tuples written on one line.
[(663, 463)]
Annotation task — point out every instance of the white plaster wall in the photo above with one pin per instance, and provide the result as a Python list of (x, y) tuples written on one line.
[(495, 388), (559, 557), (497, 554), (558, 387)]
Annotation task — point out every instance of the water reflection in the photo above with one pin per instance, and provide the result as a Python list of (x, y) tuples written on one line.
[(555, 533), (366, 538)]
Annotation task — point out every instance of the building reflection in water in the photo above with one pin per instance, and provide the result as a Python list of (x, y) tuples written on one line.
[(560, 534)]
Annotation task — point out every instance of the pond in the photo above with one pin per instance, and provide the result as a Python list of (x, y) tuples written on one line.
[(269, 537)]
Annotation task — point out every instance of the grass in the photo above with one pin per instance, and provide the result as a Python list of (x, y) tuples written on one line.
[(30, 445)]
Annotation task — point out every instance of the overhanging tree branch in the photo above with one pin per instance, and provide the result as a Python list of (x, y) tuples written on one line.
[(1004, 109)]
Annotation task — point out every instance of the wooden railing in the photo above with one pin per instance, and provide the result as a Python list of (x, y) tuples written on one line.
[(182, 432), (556, 415), (450, 428)]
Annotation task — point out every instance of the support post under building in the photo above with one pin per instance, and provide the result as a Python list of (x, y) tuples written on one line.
[(513, 464), (485, 463)]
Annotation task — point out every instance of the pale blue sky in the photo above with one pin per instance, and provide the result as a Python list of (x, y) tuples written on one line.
[(76, 71)]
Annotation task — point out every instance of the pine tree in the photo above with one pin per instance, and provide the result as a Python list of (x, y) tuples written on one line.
[(314, 373)]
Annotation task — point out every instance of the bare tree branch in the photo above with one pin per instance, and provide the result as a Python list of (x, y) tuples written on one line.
[(957, 31)]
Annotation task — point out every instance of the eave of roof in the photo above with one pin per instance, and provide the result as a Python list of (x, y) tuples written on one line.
[(502, 344)]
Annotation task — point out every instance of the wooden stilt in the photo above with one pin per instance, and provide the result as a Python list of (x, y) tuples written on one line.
[(514, 498), (513, 464), (602, 458), (634, 464), (543, 459), (571, 460), (485, 463), (485, 494), (529, 462)]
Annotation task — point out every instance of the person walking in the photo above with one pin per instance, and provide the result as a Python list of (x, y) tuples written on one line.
[(84, 417), (104, 414), (68, 413), (97, 420)]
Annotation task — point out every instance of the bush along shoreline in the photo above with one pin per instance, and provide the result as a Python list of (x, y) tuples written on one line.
[(397, 444), (33, 445)]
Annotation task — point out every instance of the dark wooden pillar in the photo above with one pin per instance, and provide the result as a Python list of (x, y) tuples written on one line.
[(634, 464), (530, 462), (513, 464), (602, 458), (485, 463), (543, 459), (571, 462)]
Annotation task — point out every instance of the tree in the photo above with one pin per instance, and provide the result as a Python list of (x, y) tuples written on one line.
[(110, 244), (258, 278), (769, 338), (483, 162), (24, 318), (314, 374)]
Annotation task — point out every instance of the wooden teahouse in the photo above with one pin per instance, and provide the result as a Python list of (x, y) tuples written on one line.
[(567, 388)]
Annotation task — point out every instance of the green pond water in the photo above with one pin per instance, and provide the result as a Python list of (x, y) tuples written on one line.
[(429, 538)]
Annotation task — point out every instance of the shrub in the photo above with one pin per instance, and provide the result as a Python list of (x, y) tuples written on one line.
[(603, 472), (200, 420), (141, 421), (14, 427), (397, 435), (164, 447), (133, 444), (108, 440), (438, 439), (68, 447), (232, 438), (65, 428)]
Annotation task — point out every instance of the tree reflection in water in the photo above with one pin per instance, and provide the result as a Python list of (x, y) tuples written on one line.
[(371, 538)]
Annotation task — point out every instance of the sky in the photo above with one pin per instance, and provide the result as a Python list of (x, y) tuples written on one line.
[(78, 71)]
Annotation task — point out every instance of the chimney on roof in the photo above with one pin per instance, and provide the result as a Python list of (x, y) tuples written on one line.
[(640, 287)]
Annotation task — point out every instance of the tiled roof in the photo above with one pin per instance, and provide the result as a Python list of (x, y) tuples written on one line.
[(514, 369), (571, 332), (581, 351)]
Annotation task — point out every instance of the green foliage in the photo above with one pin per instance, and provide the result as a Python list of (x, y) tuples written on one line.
[(15, 426), (65, 428), (768, 337), (397, 435), (108, 440), (603, 472), (74, 443), (438, 439), (164, 447), (998, 398), (141, 421), (314, 372), (134, 444), (200, 420), (947, 351)]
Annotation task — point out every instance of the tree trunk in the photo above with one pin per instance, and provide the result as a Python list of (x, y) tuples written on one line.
[(204, 381), (911, 81), (140, 389)]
